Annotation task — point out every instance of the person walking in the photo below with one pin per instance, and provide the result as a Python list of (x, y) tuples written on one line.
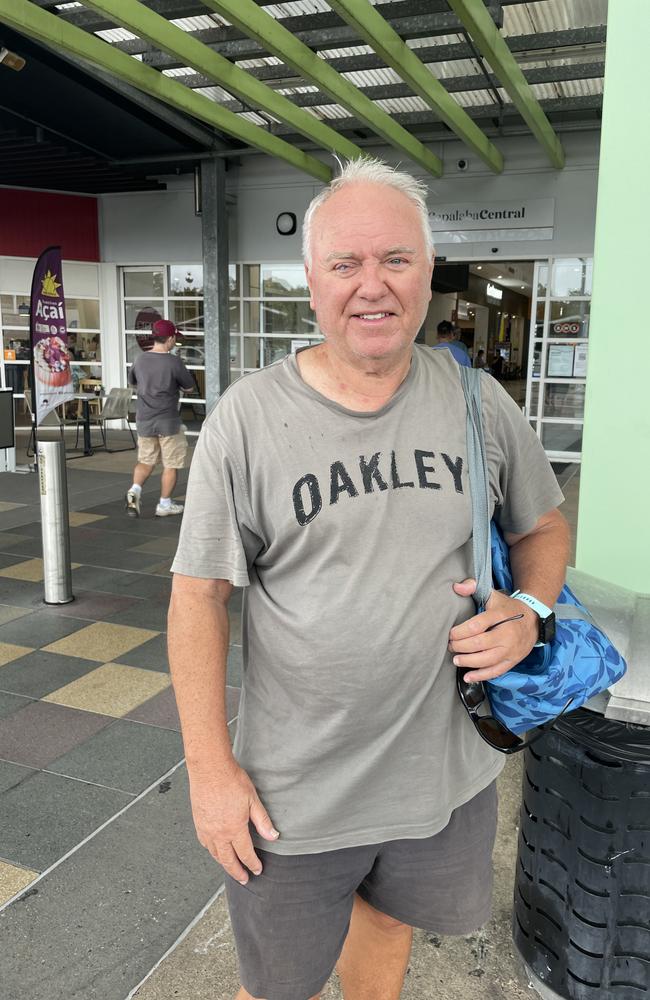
[(159, 377)]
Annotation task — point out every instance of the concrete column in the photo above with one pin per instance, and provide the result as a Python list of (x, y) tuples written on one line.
[(613, 532), (214, 223)]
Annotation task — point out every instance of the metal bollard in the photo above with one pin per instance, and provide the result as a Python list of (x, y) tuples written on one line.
[(57, 572)]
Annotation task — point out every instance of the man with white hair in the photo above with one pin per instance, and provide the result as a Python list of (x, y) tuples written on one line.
[(358, 800)]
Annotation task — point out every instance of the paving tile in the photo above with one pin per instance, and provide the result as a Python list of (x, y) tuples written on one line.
[(159, 546), (8, 559), (8, 539), (160, 568), (126, 755), (10, 703), (46, 815), (101, 641), (78, 517), (41, 732), (102, 919), (113, 581), (158, 711), (10, 651), (39, 629), (90, 605), (39, 673), (112, 689), (13, 880), (21, 593), (26, 547), (8, 614), (150, 655), (29, 569), (13, 774), (150, 614), (6, 505)]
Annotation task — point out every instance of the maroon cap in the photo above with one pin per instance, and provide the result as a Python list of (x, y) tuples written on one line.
[(162, 329)]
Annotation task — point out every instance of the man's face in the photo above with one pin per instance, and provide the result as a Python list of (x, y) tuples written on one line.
[(370, 278)]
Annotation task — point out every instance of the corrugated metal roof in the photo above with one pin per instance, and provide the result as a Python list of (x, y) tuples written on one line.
[(115, 35), (553, 15), (199, 22)]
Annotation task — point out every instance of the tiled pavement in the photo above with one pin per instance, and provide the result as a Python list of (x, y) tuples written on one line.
[(99, 868)]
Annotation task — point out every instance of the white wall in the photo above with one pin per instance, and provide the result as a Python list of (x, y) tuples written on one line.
[(160, 227)]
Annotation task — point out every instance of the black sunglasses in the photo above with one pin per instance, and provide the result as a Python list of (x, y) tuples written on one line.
[(473, 695)]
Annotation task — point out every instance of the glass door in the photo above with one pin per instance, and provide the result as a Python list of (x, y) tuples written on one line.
[(557, 363)]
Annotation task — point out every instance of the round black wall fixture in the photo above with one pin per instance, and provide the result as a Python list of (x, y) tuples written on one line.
[(286, 223)]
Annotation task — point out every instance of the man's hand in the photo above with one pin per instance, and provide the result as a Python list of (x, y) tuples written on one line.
[(487, 648), (222, 809)]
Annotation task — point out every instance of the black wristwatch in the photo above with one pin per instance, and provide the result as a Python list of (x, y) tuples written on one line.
[(545, 616)]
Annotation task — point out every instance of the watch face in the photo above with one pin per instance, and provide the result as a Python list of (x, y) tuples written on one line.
[(547, 628)]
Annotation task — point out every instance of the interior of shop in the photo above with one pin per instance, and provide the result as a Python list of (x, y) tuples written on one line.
[(490, 304)]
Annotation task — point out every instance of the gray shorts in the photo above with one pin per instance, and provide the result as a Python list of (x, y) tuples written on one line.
[(291, 921)]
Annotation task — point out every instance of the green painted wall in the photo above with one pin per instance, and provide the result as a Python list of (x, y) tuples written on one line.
[(614, 514)]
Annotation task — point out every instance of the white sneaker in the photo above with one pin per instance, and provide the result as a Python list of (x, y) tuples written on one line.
[(164, 510), (132, 503)]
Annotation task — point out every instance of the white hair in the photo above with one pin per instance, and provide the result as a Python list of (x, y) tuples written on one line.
[(367, 170)]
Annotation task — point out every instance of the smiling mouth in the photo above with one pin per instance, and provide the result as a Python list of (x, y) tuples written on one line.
[(373, 316)]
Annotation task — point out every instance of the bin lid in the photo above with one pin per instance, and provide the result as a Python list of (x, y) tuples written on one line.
[(624, 616)]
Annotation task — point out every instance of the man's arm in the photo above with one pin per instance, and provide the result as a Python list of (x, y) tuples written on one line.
[(538, 560), (224, 800)]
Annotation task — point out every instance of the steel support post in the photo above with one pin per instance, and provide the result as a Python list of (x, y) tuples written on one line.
[(214, 225)]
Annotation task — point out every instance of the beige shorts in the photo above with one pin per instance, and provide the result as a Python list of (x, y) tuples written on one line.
[(171, 451)]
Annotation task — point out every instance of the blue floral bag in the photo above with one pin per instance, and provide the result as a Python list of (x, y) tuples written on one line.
[(561, 675)]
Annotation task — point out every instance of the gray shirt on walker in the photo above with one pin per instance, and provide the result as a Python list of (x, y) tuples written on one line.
[(348, 530), (158, 378)]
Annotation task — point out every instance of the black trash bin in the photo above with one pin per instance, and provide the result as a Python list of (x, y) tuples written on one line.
[(582, 889)]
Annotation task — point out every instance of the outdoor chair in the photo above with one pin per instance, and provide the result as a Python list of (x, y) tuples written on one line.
[(115, 406), (53, 419)]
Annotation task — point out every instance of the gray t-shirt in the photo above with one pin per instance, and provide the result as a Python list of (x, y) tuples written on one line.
[(348, 530), (158, 378)]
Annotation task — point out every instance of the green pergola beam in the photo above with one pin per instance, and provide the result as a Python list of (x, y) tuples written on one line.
[(257, 24), (493, 47), (385, 41), (59, 34), (171, 39)]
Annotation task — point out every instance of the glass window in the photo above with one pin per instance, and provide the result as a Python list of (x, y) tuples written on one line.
[(252, 288), (539, 323), (284, 282), (187, 314), (572, 276), (566, 361), (233, 317), (235, 351), (251, 317), (144, 284), (185, 280), (16, 345), (293, 318), (82, 314), (85, 346), (133, 347), (562, 437), (569, 319), (542, 280), (252, 346), (564, 400), (141, 316), (15, 310), (233, 280), (191, 350)]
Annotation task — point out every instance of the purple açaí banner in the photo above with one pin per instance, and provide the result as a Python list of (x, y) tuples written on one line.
[(52, 377)]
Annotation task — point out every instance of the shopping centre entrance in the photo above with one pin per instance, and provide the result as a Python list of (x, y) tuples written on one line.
[(530, 320)]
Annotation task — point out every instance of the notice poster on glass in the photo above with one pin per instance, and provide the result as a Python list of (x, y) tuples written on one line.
[(580, 361), (560, 361)]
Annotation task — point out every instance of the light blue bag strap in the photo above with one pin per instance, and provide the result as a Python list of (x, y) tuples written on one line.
[(478, 484)]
